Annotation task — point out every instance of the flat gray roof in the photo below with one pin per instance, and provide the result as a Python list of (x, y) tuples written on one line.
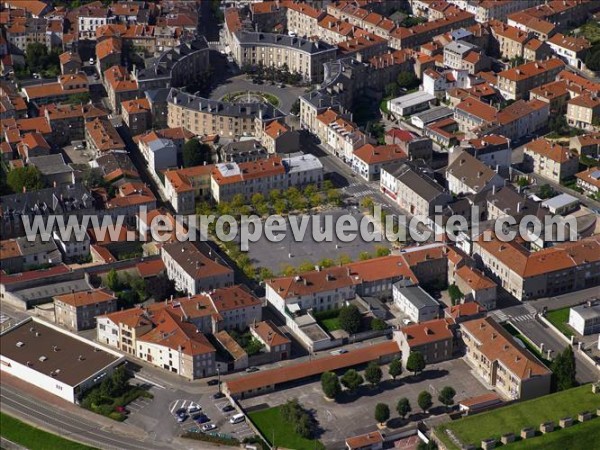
[(416, 295), (588, 312), (412, 99), (559, 201), (54, 353)]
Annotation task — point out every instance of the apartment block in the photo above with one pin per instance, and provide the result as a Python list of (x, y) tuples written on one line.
[(303, 19), (66, 86), (193, 271), (468, 175), (584, 111), (500, 361), (413, 301), (516, 83), (434, 339), (183, 186), (589, 181), (368, 161), (551, 160), (299, 55), (78, 311)]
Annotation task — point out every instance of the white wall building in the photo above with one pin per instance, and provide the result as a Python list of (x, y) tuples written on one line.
[(417, 304)]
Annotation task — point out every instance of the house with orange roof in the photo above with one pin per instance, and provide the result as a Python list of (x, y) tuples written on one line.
[(33, 144), (277, 137), (137, 114), (161, 337), (514, 372), (516, 83), (120, 87), (277, 344), (33, 8), (554, 93), (573, 50), (363, 46), (465, 311), (333, 30), (536, 50), (589, 181), (369, 159), (511, 40), (70, 63), (183, 186), (78, 310), (583, 111), (434, 339), (90, 17), (564, 267), (101, 137), (551, 160), (192, 271), (476, 287), (237, 306), (131, 197), (68, 121), (108, 53), (67, 85), (237, 352), (369, 441)]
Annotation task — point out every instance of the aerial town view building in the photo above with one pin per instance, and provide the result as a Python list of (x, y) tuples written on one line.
[(300, 224)]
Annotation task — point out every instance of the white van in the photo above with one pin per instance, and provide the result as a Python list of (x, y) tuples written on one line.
[(237, 418)]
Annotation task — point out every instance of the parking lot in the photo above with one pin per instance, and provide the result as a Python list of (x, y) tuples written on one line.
[(158, 416), (275, 255), (338, 419)]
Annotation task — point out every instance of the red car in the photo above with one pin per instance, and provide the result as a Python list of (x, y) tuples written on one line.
[(121, 409)]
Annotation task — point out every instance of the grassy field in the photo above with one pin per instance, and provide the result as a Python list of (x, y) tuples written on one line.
[(330, 324), (591, 31), (270, 420), (511, 419), (33, 438), (559, 318), (581, 435)]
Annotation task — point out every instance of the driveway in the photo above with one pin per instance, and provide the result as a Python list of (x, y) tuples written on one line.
[(287, 96)]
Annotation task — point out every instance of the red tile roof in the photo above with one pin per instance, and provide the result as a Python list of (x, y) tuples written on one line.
[(314, 367), (428, 332), (85, 298), (371, 154)]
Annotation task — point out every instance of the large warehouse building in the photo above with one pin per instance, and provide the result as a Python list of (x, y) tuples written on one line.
[(55, 360)]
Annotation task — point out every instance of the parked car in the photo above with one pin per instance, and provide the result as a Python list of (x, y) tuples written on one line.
[(212, 382), (218, 395), (91, 61), (227, 408), (182, 418), (181, 412), (202, 418), (237, 418), (121, 409), (252, 369), (193, 409), (208, 427), (340, 351)]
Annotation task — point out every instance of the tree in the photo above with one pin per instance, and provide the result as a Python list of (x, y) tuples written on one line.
[(424, 400), (395, 369), (195, 153), (378, 325), (306, 266), (407, 80), (79, 99), (352, 380), (334, 197), (280, 206), (330, 384), (382, 251), (120, 379), (382, 413), (545, 191), (415, 362), (367, 203), (373, 373), (364, 256), (344, 259), (349, 319), (391, 90), (455, 294), (403, 407), (563, 369), (446, 396), (160, 287), (28, 177), (295, 109), (112, 280), (431, 445), (258, 199)]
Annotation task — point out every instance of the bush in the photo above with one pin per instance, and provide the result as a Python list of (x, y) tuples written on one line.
[(378, 324), (210, 438), (119, 417)]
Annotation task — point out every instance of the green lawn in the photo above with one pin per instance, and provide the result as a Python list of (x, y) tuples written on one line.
[(559, 318), (330, 324), (580, 435), (33, 438), (270, 420), (512, 418)]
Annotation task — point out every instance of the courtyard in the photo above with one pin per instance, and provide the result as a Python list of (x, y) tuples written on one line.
[(337, 420)]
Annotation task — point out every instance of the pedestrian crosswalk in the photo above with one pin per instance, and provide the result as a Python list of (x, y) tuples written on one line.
[(524, 317)]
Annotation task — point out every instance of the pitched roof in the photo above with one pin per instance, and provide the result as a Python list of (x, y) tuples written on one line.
[(371, 154), (551, 150), (531, 69), (498, 345), (85, 298), (474, 278), (228, 173), (276, 129), (193, 261), (471, 171), (590, 176), (428, 332), (269, 333), (305, 369), (364, 440)]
